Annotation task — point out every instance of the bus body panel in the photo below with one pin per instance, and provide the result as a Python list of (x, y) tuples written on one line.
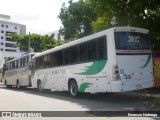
[(135, 72), (87, 80)]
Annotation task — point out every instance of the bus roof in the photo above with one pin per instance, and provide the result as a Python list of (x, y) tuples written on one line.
[(92, 36), (23, 55)]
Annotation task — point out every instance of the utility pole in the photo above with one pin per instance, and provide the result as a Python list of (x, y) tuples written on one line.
[(29, 43)]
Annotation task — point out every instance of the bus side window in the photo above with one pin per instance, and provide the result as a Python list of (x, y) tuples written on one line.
[(16, 63), (53, 59), (40, 62), (46, 60), (83, 52), (21, 62), (67, 55), (5, 66), (102, 47), (74, 54), (92, 50), (60, 57), (13, 64)]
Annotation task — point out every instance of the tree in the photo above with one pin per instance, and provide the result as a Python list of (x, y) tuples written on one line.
[(97, 15), (8, 58), (136, 13), (37, 42), (76, 19)]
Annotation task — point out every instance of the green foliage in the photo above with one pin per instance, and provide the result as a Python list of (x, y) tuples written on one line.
[(76, 19), (97, 15), (8, 58), (37, 42)]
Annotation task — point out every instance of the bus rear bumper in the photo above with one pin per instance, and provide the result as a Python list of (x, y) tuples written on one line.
[(123, 86)]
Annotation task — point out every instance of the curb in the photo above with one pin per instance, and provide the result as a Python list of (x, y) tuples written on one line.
[(144, 95)]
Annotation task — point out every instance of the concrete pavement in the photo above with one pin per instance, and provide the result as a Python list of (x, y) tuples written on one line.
[(150, 92)]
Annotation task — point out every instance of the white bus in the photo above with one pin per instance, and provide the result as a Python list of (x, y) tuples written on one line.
[(16, 72), (114, 60)]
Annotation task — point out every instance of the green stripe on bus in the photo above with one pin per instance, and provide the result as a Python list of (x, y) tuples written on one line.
[(93, 69), (83, 86), (147, 62)]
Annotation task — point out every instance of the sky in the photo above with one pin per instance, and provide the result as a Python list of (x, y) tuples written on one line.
[(39, 16)]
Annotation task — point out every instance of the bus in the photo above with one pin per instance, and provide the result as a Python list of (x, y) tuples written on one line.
[(114, 60), (16, 72)]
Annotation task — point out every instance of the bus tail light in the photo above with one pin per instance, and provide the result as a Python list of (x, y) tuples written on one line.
[(116, 74)]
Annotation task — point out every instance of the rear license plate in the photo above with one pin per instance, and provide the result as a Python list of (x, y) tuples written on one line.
[(139, 86)]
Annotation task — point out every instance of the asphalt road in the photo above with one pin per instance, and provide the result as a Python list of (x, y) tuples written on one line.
[(31, 100)]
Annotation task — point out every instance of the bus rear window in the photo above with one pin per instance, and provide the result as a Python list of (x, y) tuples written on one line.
[(131, 41)]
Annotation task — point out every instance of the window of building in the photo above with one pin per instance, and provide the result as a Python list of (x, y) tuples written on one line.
[(8, 32), (1, 49), (2, 25), (2, 37), (6, 26), (10, 50), (1, 43), (15, 27), (9, 39), (10, 45), (2, 31)]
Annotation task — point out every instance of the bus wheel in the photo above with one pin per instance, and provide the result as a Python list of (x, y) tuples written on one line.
[(5, 83), (73, 89), (8, 86), (39, 86), (18, 85)]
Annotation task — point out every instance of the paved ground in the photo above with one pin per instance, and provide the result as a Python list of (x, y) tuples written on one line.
[(31, 100)]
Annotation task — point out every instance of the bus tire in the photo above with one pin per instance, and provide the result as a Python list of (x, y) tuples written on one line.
[(18, 85), (7, 86), (39, 86), (73, 89)]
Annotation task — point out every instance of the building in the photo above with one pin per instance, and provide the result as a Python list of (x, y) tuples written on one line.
[(7, 45)]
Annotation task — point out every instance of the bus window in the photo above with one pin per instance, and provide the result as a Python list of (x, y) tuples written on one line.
[(83, 52), (74, 54), (53, 59), (67, 54), (60, 57), (46, 61), (39, 63), (131, 41), (102, 47), (21, 63), (92, 50)]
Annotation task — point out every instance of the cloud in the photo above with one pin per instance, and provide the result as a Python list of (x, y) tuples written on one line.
[(39, 16)]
